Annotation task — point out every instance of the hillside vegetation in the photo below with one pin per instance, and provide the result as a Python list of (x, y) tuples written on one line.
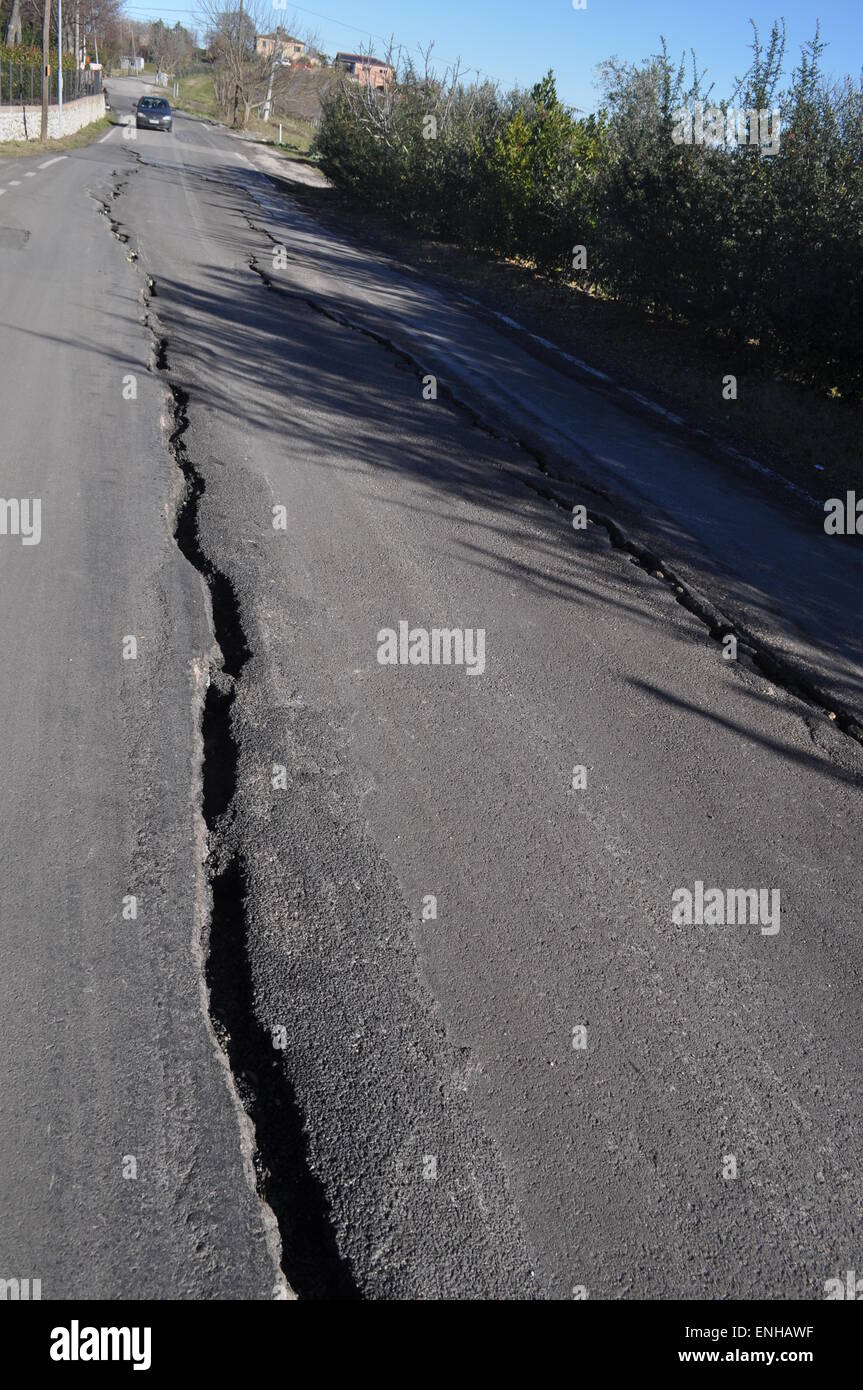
[(760, 248)]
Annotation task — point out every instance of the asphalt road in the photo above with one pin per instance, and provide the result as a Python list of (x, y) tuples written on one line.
[(427, 1121)]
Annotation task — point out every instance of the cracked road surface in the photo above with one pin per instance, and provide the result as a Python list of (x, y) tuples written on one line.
[(107, 1049), (424, 1125)]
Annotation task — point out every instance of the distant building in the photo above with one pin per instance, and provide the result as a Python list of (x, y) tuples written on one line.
[(368, 71), (290, 49)]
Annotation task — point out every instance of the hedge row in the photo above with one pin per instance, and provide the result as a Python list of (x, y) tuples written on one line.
[(756, 249)]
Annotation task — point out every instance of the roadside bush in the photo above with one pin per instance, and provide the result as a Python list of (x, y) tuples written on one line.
[(462, 162), (762, 252)]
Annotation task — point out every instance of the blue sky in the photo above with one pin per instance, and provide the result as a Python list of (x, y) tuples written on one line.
[(517, 42)]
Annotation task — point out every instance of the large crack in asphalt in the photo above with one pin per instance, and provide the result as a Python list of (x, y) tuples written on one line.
[(753, 652), (310, 1260), (286, 1183)]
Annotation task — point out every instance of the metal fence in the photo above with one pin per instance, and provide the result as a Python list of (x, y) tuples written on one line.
[(21, 84)]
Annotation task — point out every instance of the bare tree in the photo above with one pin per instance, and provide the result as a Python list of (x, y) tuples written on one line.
[(245, 79), (170, 48), (13, 28), (230, 34), (96, 16)]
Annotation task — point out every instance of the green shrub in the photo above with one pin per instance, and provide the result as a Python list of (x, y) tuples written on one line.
[(762, 252)]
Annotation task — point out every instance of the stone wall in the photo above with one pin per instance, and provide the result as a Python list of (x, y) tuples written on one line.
[(76, 114)]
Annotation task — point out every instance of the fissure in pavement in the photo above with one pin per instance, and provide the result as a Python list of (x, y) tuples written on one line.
[(310, 1259), (784, 674)]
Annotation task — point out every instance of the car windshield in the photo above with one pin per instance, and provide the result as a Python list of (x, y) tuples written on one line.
[(150, 104)]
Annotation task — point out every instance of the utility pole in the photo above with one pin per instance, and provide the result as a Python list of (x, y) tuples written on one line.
[(277, 52), (46, 66), (239, 59), (60, 63)]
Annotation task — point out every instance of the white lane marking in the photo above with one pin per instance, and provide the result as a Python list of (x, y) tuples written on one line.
[(31, 174), (55, 160), (2, 191), (13, 183), (108, 136)]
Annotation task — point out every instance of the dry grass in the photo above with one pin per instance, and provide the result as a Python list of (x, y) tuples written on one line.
[(198, 98)]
